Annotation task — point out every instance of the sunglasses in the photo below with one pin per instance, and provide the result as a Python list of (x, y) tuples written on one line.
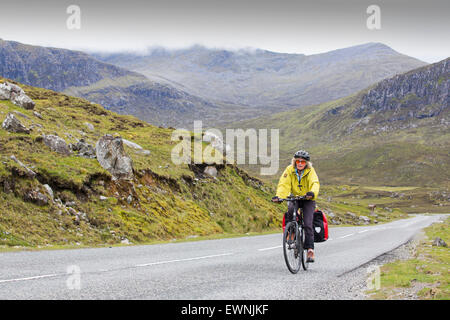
[(300, 161)]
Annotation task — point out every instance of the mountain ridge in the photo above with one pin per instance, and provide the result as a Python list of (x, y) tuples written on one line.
[(262, 78), (226, 91), (124, 91)]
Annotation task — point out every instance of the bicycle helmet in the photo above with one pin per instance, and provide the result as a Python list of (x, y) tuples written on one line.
[(302, 154)]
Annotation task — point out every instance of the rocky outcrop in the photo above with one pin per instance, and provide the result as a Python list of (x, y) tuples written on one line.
[(9, 91), (211, 171), (364, 219), (4, 94), (66, 209), (36, 197), (23, 101), (12, 124), (421, 93), (112, 157), (438, 242), (57, 144), (84, 149), (49, 191)]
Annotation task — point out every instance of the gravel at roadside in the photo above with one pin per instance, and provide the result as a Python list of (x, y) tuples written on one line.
[(354, 284)]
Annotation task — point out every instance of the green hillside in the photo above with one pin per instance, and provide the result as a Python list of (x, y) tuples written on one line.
[(162, 202)]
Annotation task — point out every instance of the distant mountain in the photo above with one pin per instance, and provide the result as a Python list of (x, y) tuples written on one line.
[(216, 86), (78, 74), (395, 133), (265, 79), (52, 68)]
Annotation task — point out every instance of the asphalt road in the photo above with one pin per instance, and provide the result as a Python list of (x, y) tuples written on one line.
[(237, 268)]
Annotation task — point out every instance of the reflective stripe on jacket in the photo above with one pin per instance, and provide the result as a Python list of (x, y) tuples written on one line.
[(288, 183)]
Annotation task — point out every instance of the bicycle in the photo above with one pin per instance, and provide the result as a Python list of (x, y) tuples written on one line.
[(294, 239)]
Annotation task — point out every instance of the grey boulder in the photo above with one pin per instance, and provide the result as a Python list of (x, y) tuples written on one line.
[(49, 190), (23, 101), (10, 91), (438, 242), (57, 144), (211, 171), (12, 124), (4, 94), (7, 88), (36, 197), (84, 149), (112, 157), (364, 219)]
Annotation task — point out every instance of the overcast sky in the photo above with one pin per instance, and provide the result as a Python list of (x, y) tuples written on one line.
[(416, 28)]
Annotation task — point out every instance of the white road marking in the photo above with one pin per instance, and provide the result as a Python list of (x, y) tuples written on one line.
[(179, 260), (347, 235), (105, 270), (264, 249), (33, 278), (362, 231)]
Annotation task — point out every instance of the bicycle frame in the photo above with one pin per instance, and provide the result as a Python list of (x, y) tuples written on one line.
[(299, 230), (296, 198)]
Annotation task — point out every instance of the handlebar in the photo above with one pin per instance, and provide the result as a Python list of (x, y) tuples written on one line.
[(293, 198)]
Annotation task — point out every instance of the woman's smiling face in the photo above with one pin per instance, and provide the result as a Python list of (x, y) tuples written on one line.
[(301, 163)]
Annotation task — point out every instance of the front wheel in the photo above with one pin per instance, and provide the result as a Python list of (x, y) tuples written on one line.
[(303, 251), (291, 248)]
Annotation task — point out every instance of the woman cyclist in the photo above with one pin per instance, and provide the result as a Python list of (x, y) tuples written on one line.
[(300, 179)]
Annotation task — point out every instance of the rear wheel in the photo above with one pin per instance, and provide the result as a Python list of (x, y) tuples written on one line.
[(292, 254)]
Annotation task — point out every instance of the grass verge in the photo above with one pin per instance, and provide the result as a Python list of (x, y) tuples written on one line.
[(4, 248), (426, 276)]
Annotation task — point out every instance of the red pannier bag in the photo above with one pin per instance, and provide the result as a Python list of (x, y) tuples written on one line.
[(320, 226)]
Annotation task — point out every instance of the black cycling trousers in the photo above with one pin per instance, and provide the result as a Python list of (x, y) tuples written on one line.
[(308, 207)]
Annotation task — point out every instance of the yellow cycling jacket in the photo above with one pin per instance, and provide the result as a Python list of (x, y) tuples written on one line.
[(288, 183)]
